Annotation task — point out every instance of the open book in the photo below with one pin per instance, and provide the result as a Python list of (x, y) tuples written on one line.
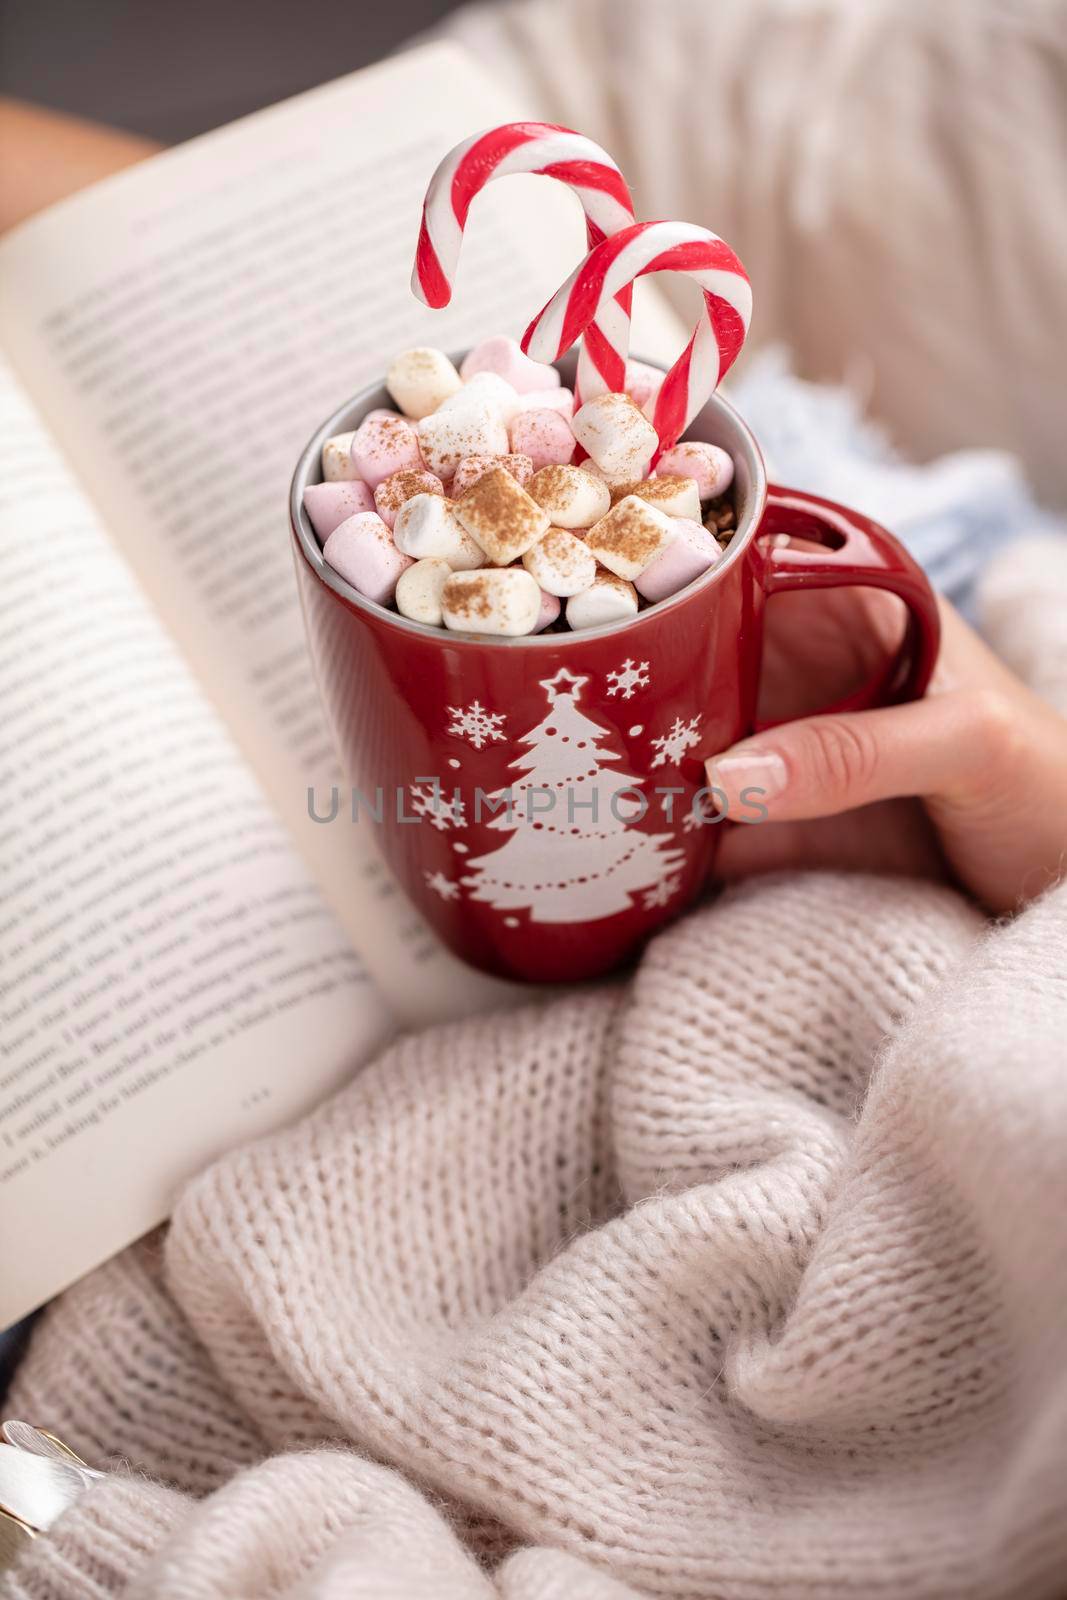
[(186, 958)]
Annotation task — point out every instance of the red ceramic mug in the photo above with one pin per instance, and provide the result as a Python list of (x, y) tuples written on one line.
[(539, 799)]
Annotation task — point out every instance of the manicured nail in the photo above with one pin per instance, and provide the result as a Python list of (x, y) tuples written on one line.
[(748, 766)]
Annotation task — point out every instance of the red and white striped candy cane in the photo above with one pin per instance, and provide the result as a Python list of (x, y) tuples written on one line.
[(614, 265), (533, 147)]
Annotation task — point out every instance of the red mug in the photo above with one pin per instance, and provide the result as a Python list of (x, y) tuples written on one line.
[(539, 799)]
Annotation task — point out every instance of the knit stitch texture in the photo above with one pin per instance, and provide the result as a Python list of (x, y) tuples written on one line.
[(745, 1281)]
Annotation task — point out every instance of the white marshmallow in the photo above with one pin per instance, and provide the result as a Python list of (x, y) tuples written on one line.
[(337, 464), (392, 492), (419, 590), (475, 429), (504, 357), (420, 379), (630, 537), (572, 497), (618, 437), (495, 600), (362, 551), (675, 497), (561, 400), (500, 516), (426, 526), (561, 563), (692, 551), (485, 388), (608, 599)]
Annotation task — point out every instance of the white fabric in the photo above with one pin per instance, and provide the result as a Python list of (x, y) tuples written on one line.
[(889, 171)]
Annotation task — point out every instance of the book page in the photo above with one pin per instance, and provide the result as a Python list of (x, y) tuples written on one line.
[(171, 980), (186, 326)]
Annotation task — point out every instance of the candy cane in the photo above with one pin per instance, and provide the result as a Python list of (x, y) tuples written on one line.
[(613, 266), (537, 147)]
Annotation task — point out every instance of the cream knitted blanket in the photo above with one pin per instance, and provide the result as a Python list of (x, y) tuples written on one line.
[(744, 1281)]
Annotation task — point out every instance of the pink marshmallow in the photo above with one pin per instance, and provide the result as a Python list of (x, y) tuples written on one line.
[(393, 491), (330, 504), (692, 551), (361, 549), (561, 400), (550, 608), (471, 468), (712, 468), (544, 436), (503, 356), (642, 382), (382, 446), (380, 412)]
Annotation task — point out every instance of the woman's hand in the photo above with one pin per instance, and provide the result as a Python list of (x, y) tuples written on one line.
[(970, 782)]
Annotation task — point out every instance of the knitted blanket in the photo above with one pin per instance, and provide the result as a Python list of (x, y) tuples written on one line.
[(741, 1281)]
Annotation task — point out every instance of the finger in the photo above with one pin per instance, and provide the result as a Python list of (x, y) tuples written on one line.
[(819, 767)]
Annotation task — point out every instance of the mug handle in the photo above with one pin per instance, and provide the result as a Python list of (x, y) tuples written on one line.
[(856, 551)]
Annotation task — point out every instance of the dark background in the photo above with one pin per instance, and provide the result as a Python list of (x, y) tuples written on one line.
[(173, 68)]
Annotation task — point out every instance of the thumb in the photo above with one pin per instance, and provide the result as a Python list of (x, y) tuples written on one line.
[(821, 766)]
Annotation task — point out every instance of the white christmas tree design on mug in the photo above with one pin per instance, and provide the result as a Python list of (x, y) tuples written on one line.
[(571, 864)]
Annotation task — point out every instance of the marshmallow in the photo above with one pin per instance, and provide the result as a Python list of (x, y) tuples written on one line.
[(572, 497), (675, 497), (642, 383), (486, 388), (419, 590), (471, 468), (420, 379), (426, 526), (475, 429), (630, 537), (542, 435), (392, 492), (501, 517), (382, 446), (711, 467), (503, 356), (500, 600), (337, 465), (620, 440), (550, 609), (561, 563), (329, 504), (608, 599), (361, 549), (381, 412), (561, 400), (691, 551)]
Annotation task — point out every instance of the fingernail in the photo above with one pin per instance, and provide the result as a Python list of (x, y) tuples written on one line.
[(748, 766)]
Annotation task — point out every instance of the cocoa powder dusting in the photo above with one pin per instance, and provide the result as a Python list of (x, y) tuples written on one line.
[(403, 485), (468, 595), (500, 515), (551, 484), (629, 532)]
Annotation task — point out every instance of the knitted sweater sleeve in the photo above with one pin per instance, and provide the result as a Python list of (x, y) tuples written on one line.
[(98, 1547), (320, 1525)]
